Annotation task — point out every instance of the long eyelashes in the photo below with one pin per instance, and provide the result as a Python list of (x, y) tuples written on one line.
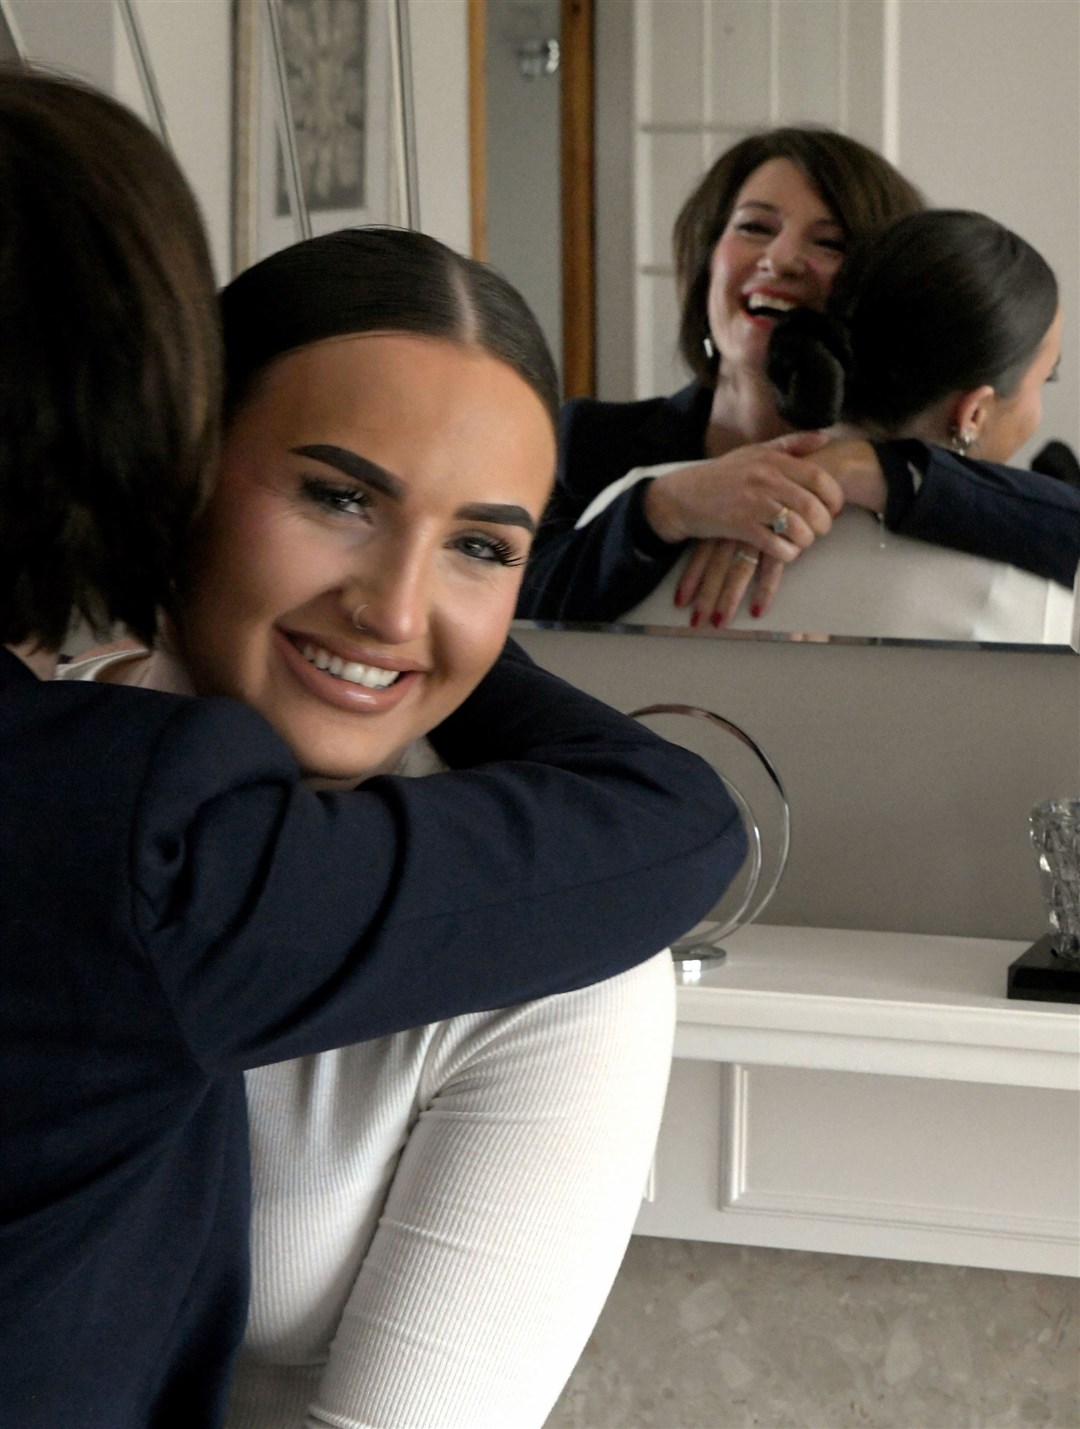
[(332, 496), (489, 548)]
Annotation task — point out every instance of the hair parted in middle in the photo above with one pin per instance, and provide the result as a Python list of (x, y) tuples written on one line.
[(863, 190), (378, 279), (940, 302)]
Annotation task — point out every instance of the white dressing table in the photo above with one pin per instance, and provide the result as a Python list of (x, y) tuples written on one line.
[(873, 1094)]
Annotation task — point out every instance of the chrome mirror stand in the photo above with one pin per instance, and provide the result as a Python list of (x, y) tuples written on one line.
[(701, 947)]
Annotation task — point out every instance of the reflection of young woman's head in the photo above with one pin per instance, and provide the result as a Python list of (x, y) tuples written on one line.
[(110, 356), (818, 191), (388, 452), (945, 326)]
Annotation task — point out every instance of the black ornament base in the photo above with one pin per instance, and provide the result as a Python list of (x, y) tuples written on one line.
[(1040, 975)]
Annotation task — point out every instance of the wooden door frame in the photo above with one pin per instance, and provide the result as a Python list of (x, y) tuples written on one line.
[(578, 179)]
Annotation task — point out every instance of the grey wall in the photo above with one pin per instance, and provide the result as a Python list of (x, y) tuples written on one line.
[(910, 772)]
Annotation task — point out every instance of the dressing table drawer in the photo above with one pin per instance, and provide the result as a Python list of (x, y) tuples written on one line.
[(872, 1094)]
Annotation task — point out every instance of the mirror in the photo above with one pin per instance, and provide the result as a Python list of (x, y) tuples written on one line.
[(926, 85)]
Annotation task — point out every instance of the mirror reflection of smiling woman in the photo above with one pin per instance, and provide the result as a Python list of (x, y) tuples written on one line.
[(641, 484), (765, 231), (437, 1214)]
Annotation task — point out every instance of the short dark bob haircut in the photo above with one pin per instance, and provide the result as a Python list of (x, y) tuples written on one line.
[(862, 189), (363, 280), (941, 302), (110, 364)]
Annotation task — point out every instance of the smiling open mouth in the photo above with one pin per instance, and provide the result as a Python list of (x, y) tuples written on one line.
[(767, 305), (351, 671)]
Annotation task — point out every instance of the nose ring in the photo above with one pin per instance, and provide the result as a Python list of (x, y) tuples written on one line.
[(355, 617)]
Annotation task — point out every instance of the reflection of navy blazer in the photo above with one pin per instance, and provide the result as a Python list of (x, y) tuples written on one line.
[(174, 909), (605, 569)]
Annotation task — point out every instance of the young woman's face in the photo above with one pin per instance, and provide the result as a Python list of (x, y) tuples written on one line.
[(782, 248), (1012, 420), (392, 478)]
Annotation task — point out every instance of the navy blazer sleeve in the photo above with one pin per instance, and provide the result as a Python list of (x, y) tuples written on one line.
[(1021, 517), (282, 922), (603, 570)]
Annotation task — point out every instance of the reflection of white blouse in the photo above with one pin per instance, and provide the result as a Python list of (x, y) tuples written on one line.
[(862, 580)]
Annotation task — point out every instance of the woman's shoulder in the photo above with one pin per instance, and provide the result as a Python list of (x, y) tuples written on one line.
[(600, 441), (582, 416)]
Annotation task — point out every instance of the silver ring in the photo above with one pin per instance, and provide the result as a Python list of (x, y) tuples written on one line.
[(750, 559), (355, 617), (779, 523)]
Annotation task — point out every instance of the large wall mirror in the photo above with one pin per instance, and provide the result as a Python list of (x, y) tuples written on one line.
[(977, 101)]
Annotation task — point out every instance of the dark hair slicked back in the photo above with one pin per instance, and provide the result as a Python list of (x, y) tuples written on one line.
[(109, 367), (376, 280), (941, 302)]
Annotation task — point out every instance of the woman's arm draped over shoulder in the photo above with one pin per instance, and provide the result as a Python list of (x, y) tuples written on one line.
[(1022, 517), (578, 845)]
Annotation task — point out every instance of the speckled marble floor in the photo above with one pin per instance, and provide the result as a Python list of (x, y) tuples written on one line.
[(698, 1336)]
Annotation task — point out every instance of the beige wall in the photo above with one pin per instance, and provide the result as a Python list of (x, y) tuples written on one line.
[(988, 117), (191, 50)]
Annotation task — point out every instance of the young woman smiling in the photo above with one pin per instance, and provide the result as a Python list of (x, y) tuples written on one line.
[(175, 907), (437, 1214)]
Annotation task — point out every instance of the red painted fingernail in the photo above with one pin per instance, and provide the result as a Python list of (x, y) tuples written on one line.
[(695, 619), (755, 611), (718, 618), (680, 599)]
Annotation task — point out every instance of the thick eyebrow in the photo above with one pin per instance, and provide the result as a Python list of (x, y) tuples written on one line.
[(499, 514), (360, 469)]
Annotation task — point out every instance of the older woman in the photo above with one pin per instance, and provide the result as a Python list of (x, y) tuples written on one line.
[(174, 907), (765, 231), (438, 1215)]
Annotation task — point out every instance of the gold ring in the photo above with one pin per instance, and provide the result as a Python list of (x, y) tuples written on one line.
[(779, 523), (750, 559)]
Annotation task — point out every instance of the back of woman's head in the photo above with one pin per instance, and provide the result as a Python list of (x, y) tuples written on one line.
[(110, 361), (943, 301), (376, 280), (862, 189)]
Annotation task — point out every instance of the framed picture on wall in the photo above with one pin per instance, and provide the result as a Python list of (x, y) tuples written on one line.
[(337, 56)]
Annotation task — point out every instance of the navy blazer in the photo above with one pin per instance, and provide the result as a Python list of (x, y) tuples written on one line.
[(598, 573), (174, 908)]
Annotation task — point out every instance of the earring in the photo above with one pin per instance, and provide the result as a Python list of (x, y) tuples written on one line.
[(710, 350), (355, 617), (961, 442)]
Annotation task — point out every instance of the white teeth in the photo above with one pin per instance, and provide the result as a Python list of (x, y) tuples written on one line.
[(370, 676), (766, 300)]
